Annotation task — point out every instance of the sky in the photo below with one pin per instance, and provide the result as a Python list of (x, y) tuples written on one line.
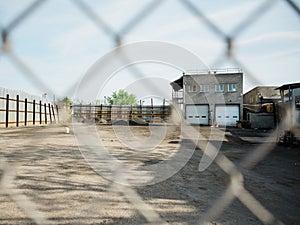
[(59, 43)]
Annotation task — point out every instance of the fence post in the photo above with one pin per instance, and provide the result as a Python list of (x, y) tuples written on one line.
[(130, 113), (90, 111), (110, 112), (57, 114), (40, 112), (49, 107), (119, 112), (7, 111), (152, 110), (17, 110), (163, 112), (100, 112), (140, 109), (80, 110), (33, 116), (52, 107), (25, 116), (45, 110)]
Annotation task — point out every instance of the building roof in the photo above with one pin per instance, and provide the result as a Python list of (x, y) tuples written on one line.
[(177, 84), (214, 71), (288, 86), (261, 87)]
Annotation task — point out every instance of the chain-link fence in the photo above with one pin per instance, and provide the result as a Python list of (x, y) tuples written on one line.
[(137, 200)]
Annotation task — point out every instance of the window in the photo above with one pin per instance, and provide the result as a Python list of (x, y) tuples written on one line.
[(192, 88), (232, 87), (219, 87), (204, 88)]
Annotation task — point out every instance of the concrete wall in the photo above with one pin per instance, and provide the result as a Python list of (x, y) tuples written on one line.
[(262, 120)]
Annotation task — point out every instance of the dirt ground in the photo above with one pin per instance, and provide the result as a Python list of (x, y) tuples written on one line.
[(45, 179)]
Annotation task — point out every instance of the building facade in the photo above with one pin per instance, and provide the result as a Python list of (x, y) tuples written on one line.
[(213, 97), (289, 106), (256, 97), (260, 107)]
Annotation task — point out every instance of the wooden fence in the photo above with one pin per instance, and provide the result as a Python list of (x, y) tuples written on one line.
[(111, 113), (18, 112)]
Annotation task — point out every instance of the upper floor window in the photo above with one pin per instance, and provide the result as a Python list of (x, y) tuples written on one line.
[(219, 87), (232, 87), (192, 88), (251, 99), (204, 88)]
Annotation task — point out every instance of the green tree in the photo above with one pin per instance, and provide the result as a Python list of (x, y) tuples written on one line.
[(67, 101), (121, 98)]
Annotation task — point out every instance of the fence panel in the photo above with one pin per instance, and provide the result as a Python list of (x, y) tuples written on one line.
[(17, 111), (111, 113)]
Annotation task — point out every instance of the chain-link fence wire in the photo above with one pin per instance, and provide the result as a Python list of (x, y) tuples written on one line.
[(236, 189)]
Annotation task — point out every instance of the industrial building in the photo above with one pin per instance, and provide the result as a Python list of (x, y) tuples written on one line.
[(260, 96), (290, 102), (211, 97), (260, 105)]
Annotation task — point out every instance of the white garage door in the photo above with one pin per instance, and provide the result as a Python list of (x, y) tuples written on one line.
[(197, 114), (227, 115)]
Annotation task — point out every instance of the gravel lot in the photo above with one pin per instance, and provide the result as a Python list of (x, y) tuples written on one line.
[(45, 179)]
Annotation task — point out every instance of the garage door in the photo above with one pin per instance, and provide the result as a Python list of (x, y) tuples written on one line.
[(197, 114), (227, 115)]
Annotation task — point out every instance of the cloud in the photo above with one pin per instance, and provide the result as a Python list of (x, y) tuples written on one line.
[(226, 18), (80, 40), (277, 36), (74, 42)]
